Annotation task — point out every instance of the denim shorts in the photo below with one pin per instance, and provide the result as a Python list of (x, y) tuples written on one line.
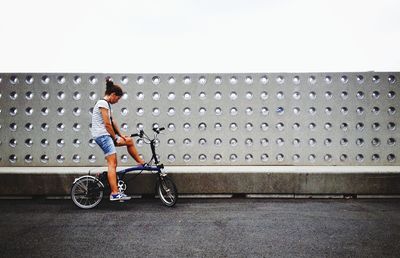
[(106, 144)]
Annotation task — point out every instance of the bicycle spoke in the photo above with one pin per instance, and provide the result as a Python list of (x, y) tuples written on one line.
[(82, 187)]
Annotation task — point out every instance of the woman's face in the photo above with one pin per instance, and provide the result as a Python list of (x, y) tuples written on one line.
[(114, 98)]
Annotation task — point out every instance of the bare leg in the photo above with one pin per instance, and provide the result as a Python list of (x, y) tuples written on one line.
[(130, 146), (133, 151), (112, 172)]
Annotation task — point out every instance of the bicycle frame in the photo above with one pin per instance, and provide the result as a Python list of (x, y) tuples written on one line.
[(157, 168)]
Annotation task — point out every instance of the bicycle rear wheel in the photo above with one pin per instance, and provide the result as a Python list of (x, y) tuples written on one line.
[(167, 191), (87, 192)]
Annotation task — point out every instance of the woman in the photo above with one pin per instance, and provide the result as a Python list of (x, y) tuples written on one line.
[(107, 135)]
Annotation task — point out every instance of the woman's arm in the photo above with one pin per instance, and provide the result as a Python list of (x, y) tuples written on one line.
[(107, 123), (116, 129)]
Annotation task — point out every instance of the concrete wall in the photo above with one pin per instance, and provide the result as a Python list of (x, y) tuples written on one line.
[(326, 119)]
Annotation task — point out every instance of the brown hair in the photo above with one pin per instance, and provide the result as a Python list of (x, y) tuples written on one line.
[(112, 88)]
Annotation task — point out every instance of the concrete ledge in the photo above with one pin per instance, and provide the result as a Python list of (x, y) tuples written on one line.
[(28, 181)]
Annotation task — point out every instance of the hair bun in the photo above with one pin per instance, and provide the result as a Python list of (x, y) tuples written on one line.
[(109, 82)]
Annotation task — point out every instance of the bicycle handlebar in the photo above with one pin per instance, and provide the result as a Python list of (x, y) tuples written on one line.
[(150, 141), (141, 132), (158, 130)]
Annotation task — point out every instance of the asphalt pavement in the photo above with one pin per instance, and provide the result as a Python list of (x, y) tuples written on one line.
[(202, 228)]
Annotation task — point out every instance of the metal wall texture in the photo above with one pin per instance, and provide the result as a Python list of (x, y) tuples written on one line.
[(328, 119)]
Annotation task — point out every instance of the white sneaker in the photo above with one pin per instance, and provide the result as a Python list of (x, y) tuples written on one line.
[(119, 197)]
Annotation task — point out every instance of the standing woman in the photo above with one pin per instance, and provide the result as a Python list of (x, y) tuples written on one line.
[(106, 133)]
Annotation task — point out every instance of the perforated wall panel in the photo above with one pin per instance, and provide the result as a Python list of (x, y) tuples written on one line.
[(211, 119)]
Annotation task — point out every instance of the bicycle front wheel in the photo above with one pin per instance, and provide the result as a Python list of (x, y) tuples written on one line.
[(87, 192), (167, 191)]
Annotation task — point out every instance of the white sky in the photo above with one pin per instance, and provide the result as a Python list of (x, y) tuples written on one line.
[(195, 36)]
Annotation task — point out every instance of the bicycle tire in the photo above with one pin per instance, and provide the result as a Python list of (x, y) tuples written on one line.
[(167, 191), (87, 192)]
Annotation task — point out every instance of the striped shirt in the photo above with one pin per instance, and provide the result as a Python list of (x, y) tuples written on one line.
[(98, 125)]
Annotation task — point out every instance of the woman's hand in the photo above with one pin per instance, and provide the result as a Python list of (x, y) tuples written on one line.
[(120, 140)]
